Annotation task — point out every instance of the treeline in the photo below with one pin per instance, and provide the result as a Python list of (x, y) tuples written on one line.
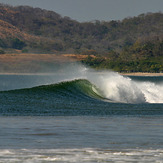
[(139, 57)]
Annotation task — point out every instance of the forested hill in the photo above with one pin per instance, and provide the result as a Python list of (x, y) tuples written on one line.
[(37, 30), (54, 32)]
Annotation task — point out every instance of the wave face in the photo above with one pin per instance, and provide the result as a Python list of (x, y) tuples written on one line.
[(90, 93)]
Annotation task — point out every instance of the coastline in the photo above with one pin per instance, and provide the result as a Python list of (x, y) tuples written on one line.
[(124, 74), (142, 74)]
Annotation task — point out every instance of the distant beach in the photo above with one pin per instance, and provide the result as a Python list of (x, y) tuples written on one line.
[(125, 74), (142, 74)]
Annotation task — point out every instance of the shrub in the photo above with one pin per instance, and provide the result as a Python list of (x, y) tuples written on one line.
[(2, 51), (18, 44)]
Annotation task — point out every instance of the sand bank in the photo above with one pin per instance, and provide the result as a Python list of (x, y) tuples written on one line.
[(142, 74)]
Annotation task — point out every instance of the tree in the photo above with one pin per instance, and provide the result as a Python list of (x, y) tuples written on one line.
[(2, 51), (18, 44)]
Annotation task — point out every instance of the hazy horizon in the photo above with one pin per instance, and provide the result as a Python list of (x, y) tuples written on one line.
[(88, 10)]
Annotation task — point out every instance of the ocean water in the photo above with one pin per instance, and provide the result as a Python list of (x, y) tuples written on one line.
[(81, 115)]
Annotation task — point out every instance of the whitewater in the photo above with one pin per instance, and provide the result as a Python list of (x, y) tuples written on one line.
[(120, 88), (123, 89), (81, 115)]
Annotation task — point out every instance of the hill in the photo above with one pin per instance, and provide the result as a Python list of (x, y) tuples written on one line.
[(130, 40)]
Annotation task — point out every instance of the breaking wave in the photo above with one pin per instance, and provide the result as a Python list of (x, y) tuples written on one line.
[(90, 93), (108, 86)]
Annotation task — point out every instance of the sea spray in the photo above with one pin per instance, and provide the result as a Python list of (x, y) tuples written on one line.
[(118, 88), (152, 92)]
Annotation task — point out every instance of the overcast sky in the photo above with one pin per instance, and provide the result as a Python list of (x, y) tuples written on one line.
[(89, 10)]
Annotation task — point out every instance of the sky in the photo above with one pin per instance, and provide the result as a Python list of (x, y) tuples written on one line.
[(90, 10)]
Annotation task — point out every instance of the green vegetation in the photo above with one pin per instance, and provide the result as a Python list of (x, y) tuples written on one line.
[(133, 44), (130, 66), (140, 57), (2, 51), (18, 44)]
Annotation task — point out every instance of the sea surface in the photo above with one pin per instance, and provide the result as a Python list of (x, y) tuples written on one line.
[(81, 115)]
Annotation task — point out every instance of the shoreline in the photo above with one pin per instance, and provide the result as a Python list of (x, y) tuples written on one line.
[(42, 73), (142, 74)]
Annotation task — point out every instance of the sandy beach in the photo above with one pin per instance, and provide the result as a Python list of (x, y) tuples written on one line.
[(125, 74), (142, 74)]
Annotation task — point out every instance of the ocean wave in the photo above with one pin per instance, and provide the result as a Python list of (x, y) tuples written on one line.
[(92, 93), (109, 88)]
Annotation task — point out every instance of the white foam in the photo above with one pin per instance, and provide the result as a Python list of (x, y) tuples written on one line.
[(123, 89), (82, 155), (120, 89), (152, 92)]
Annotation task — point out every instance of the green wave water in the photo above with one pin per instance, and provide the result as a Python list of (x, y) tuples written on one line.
[(76, 97)]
